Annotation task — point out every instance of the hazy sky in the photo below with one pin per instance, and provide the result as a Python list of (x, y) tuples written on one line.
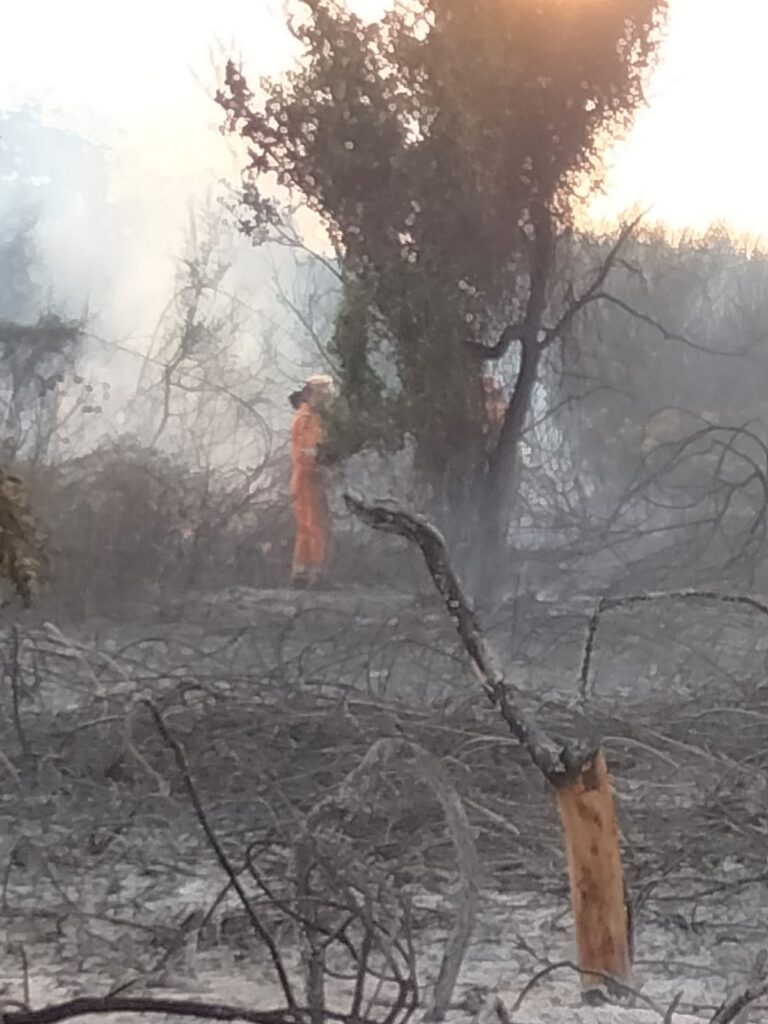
[(134, 76), (127, 72)]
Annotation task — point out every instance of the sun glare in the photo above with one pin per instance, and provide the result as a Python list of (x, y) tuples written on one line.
[(697, 154)]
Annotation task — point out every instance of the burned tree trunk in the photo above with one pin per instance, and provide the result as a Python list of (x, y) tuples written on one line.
[(578, 773), (504, 460), (596, 875), (503, 475)]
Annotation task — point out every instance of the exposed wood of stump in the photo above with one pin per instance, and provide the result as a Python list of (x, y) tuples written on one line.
[(596, 876)]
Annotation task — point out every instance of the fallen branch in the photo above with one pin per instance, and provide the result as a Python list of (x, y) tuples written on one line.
[(736, 1009), (261, 931), (90, 1005), (354, 793), (607, 603), (730, 1011), (670, 1011), (578, 774), (561, 965), (15, 674), (556, 763)]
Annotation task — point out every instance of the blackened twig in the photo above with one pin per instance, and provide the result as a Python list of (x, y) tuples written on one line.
[(232, 875), (15, 673), (671, 1009), (607, 603), (730, 1011), (88, 1005), (609, 979), (736, 1009)]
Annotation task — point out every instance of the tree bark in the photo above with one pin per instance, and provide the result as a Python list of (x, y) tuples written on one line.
[(503, 469), (596, 876), (504, 459)]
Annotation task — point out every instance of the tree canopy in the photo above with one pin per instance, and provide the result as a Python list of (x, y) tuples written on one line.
[(444, 148)]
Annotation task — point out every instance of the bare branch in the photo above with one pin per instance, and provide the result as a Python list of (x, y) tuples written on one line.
[(516, 332), (512, 332), (666, 334), (730, 1011), (181, 763), (595, 288), (607, 603), (353, 792), (556, 763), (626, 990), (88, 1005), (669, 1013)]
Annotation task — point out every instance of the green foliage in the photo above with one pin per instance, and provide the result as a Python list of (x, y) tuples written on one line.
[(426, 143), (21, 543), (364, 415)]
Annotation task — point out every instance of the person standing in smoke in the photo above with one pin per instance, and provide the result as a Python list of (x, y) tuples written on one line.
[(310, 505), (494, 404)]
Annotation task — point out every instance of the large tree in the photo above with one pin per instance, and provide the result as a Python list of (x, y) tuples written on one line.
[(444, 149)]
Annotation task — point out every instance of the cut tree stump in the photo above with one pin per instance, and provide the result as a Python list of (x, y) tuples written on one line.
[(596, 875)]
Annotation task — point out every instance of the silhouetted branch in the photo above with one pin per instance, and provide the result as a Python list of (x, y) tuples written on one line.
[(512, 332), (666, 334), (594, 291), (516, 332)]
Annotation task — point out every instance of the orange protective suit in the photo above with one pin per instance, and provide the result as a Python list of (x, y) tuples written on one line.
[(309, 503), (495, 405)]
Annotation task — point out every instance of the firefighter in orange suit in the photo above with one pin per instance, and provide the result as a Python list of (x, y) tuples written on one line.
[(310, 508), (494, 404)]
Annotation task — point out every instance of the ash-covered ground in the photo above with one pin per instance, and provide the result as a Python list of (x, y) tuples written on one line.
[(110, 884)]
